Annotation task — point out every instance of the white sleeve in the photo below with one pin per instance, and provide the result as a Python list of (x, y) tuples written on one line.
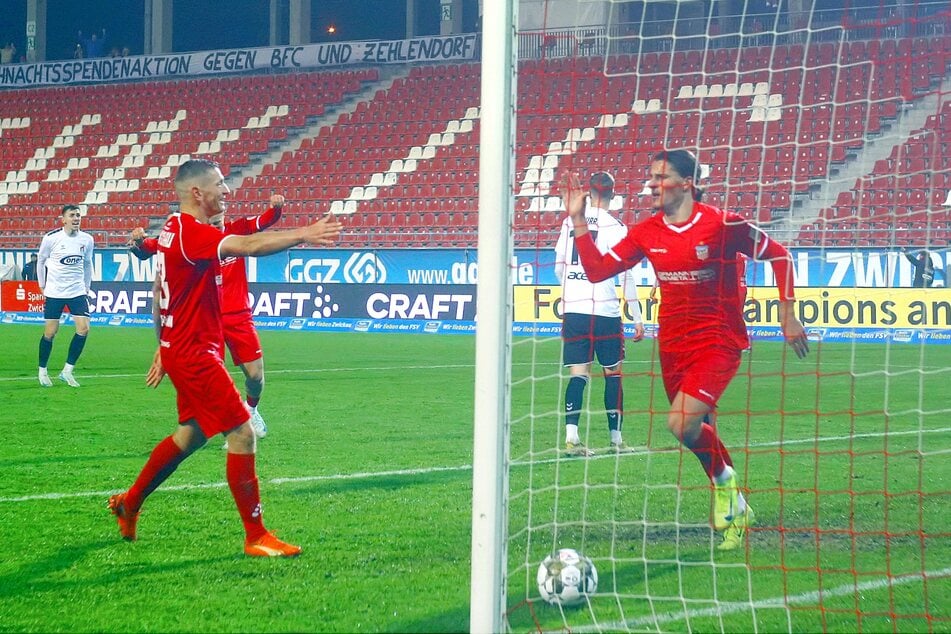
[(626, 278), (87, 265), (42, 255), (629, 288), (561, 252)]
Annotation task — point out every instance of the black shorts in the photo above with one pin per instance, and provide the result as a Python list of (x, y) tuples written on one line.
[(588, 336), (78, 307)]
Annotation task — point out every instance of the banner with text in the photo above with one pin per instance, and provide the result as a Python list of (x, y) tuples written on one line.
[(828, 314), (182, 65), (330, 307)]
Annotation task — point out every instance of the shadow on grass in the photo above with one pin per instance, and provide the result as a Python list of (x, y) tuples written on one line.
[(454, 620), (353, 482), (72, 459), (457, 619), (45, 574)]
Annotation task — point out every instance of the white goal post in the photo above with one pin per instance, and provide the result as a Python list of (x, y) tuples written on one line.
[(494, 310)]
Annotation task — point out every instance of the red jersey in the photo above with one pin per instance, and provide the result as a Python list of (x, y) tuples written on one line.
[(234, 278), (699, 270), (188, 273)]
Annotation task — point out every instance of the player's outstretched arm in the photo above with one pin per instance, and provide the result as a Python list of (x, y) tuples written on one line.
[(322, 233)]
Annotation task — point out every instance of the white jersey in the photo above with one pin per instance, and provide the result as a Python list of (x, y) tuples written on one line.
[(578, 295), (64, 264)]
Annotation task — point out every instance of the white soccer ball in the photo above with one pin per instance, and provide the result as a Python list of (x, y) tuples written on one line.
[(567, 578)]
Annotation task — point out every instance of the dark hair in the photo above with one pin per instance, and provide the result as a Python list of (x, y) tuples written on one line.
[(193, 168), (70, 208), (603, 184), (686, 164)]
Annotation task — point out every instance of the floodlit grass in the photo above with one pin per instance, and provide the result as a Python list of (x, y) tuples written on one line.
[(367, 466)]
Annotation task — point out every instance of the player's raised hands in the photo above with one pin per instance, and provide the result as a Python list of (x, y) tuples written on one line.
[(277, 201), (793, 331), (138, 234), (572, 195), (325, 231)]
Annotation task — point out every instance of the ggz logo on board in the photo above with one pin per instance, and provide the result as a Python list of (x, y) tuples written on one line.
[(364, 268)]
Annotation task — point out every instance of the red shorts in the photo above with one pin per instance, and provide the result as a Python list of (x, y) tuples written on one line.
[(241, 337), (206, 392), (702, 374)]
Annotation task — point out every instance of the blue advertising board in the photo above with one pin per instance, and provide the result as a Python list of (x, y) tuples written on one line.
[(839, 268)]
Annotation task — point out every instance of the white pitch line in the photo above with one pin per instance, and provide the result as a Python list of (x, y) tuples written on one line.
[(219, 485), (32, 377), (732, 607), (424, 470), (641, 450)]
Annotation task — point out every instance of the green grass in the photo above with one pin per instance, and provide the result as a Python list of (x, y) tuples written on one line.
[(848, 473), (367, 466)]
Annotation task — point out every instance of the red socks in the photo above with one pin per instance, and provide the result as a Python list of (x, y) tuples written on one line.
[(243, 482), (710, 451), (161, 464)]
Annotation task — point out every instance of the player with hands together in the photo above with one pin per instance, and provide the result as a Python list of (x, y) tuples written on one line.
[(591, 318)]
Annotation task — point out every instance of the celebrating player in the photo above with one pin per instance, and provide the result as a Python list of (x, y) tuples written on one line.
[(591, 326), (240, 335), (64, 273), (190, 349), (694, 250)]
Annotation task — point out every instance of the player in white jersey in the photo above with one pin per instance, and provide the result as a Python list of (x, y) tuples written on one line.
[(591, 323), (64, 272)]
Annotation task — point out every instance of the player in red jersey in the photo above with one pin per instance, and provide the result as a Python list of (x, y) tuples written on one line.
[(190, 349), (240, 334), (696, 251)]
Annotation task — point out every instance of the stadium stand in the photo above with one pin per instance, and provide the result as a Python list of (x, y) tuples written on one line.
[(798, 137), (113, 148)]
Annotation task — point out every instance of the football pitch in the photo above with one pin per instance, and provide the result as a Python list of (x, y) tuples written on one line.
[(367, 465)]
